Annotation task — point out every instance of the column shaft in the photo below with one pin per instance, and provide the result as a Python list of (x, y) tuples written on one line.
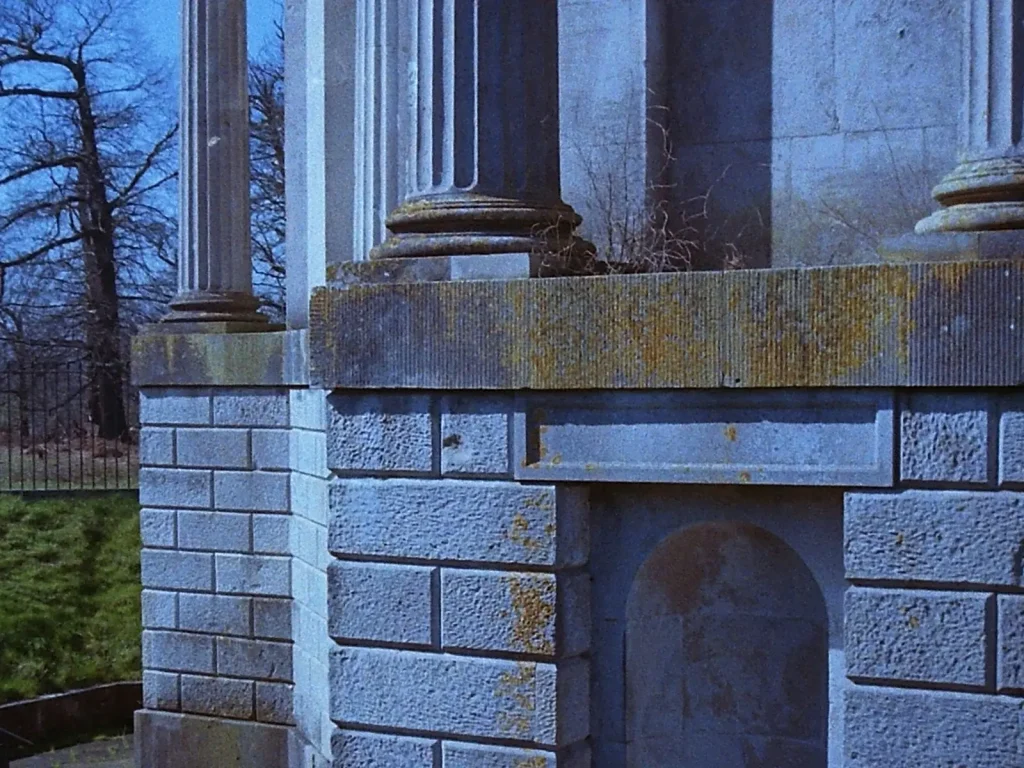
[(986, 190), (214, 261), (485, 88)]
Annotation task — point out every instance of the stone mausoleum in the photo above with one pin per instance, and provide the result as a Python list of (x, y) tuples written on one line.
[(491, 501)]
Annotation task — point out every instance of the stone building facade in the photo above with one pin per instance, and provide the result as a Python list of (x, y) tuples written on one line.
[(477, 506)]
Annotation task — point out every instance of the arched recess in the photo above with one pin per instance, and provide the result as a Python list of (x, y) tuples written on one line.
[(726, 654)]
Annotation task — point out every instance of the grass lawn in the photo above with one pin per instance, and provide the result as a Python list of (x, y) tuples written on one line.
[(69, 593)]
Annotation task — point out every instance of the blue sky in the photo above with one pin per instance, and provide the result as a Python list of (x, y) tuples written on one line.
[(160, 21)]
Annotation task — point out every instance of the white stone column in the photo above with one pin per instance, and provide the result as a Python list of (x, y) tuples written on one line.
[(986, 190), (214, 261), (486, 138)]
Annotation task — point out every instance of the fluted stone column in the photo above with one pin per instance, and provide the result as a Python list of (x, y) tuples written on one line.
[(214, 261), (986, 190), (485, 93)]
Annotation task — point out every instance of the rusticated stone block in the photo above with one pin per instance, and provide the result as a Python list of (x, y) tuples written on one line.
[(460, 520), (957, 537), (943, 638), (380, 602), (923, 729), (380, 433), (531, 613), (359, 749), (1010, 670), (945, 438), (461, 755), (475, 436), (547, 704)]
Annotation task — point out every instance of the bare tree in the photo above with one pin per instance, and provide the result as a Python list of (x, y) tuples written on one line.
[(86, 180), (266, 116)]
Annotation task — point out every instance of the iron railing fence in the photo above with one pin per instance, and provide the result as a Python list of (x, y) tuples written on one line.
[(49, 440)]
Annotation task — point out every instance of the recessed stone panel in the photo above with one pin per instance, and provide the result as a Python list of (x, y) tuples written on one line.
[(807, 437)]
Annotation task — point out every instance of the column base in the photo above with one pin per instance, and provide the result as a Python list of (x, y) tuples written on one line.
[(979, 195), (172, 740), (432, 269), (470, 224), (946, 245), (232, 307)]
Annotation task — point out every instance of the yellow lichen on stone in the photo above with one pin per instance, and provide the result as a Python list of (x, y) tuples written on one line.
[(533, 604), (518, 688)]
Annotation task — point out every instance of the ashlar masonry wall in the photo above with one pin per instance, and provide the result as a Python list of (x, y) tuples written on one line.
[(458, 598), (214, 488), (935, 614), (216, 571)]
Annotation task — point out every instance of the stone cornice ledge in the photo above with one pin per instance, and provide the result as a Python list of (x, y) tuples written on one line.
[(267, 359), (958, 324)]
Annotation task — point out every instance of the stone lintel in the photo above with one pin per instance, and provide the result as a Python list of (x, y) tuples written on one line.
[(274, 359), (954, 324), (839, 437), (171, 740)]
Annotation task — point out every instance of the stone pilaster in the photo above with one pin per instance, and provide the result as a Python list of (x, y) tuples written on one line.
[(986, 190), (486, 138), (214, 262)]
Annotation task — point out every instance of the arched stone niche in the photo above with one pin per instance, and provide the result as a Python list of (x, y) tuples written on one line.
[(726, 654)]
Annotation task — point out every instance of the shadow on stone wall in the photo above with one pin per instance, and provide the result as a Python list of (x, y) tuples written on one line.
[(716, 76), (726, 654)]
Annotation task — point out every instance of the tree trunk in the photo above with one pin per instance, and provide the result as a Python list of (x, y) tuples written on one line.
[(102, 327)]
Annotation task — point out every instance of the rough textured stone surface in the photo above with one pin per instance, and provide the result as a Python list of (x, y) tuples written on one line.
[(174, 406), (214, 531), (271, 534), (177, 570), (531, 613), (213, 448), (270, 448), (378, 602), (156, 447), (177, 651), (160, 690), (542, 703), (945, 438), (1011, 442), (381, 433), (356, 749), (942, 638), (274, 702), (459, 755), (254, 575), (159, 609), (220, 696), (935, 536), (257, 659), (166, 740), (158, 527), (190, 488), (923, 729), (250, 408), (272, 618), (459, 520), (475, 436), (1010, 669), (215, 614), (257, 491)]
